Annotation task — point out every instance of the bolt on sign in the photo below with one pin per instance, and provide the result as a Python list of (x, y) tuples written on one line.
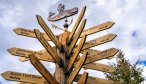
[(68, 55)]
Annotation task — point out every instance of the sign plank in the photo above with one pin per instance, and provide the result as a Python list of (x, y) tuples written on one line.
[(98, 41), (98, 28), (95, 80), (76, 24), (78, 67), (99, 67), (83, 78), (77, 36), (29, 33), (101, 55), (23, 77), (76, 53), (91, 51), (49, 32), (43, 71), (25, 53), (48, 47)]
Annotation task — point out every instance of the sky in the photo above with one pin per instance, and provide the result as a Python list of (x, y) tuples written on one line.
[(128, 15)]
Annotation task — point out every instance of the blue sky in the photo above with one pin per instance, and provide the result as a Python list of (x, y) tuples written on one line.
[(128, 15)]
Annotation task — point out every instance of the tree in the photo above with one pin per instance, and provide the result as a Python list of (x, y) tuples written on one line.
[(125, 72)]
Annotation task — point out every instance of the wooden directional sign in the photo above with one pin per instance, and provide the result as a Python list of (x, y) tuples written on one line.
[(29, 33), (43, 71), (23, 77), (83, 78), (98, 28), (76, 24), (25, 53), (49, 32), (95, 80), (101, 55), (48, 47), (78, 67), (77, 36), (90, 51), (99, 67), (99, 41), (76, 53)]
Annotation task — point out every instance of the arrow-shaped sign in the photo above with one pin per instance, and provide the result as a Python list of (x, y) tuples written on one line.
[(98, 41), (25, 53), (76, 53), (29, 33), (83, 78), (90, 51), (95, 80), (49, 33), (48, 47), (98, 28), (101, 55), (43, 71), (23, 77), (78, 67), (99, 67), (71, 47), (76, 24)]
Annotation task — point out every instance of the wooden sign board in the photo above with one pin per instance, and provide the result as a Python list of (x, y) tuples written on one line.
[(49, 33), (90, 51), (83, 78), (95, 80), (78, 67), (99, 67), (98, 41), (29, 33), (76, 53), (98, 28), (48, 47), (25, 53), (43, 71), (76, 24), (77, 36), (101, 55), (23, 77)]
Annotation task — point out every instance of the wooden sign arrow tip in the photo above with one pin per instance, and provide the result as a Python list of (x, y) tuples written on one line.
[(11, 50), (16, 30), (110, 24)]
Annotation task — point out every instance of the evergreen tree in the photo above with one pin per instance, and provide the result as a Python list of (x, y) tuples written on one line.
[(125, 72)]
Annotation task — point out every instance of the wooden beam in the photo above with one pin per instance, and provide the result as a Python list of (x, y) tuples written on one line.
[(49, 33), (83, 78), (101, 55), (41, 68), (97, 28), (73, 43), (76, 24), (99, 67), (76, 53), (78, 67), (96, 80), (23, 77), (29, 33), (48, 47), (99, 41), (25, 53)]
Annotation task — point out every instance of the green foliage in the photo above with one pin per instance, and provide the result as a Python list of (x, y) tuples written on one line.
[(125, 72)]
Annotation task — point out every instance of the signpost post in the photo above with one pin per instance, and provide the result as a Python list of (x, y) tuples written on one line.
[(68, 55)]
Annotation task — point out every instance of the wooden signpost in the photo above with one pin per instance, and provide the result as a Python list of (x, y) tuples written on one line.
[(68, 55)]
